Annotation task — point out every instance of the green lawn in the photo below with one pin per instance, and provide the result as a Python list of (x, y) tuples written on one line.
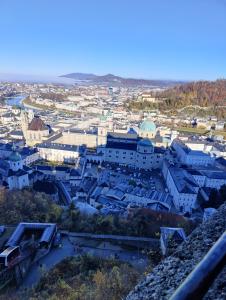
[(191, 130)]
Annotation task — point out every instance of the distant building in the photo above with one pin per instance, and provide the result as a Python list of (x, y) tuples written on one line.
[(35, 131), (147, 129), (128, 149), (209, 177), (7, 118), (191, 157), (29, 155), (78, 137), (182, 186), (59, 152), (16, 175)]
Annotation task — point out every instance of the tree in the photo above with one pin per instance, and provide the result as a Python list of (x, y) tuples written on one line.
[(28, 206), (223, 192)]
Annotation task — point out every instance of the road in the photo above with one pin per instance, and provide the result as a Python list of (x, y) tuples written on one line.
[(104, 250), (47, 262)]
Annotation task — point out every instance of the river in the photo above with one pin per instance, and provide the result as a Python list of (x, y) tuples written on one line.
[(15, 100)]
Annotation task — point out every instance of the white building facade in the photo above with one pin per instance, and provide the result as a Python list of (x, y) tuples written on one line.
[(128, 149)]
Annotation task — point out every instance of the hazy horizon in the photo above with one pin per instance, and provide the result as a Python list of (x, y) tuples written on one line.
[(42, 78)]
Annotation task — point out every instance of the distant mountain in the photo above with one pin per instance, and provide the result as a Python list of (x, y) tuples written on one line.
[(110, 79), (80, 76)]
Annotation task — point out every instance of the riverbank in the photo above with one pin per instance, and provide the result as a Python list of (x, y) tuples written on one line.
[(27, 103)]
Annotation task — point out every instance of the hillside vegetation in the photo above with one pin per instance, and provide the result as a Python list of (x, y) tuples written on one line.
[(206, 97), (85, 278), (202, 93), (143, 222), (27, 206)]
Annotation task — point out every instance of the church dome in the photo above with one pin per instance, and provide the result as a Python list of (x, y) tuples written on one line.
[(15, 156), (145, 143), (103, 118), (37, 124), (148, 126)]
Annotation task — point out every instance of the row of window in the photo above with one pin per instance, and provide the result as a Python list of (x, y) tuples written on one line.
[(117, 152)]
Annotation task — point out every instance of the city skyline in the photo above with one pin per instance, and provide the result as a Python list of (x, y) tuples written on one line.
[(145, 39)]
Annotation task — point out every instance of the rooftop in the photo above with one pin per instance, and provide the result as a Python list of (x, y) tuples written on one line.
[(148, 126), (37, 124), (58, 146), (145, 143), (183, 181)]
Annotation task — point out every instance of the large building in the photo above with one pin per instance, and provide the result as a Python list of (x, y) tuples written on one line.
[(182, 186), (209, 177), (34, 131), (59, 152), (191, 157), (129, 149), (78, 137), (28, 154), (13, 172)]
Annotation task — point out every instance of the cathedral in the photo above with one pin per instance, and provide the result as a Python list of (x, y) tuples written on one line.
[(34, 129)]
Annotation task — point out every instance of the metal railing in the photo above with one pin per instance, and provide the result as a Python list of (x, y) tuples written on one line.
[(201, 278)]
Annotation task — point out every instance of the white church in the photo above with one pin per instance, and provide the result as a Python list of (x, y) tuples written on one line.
[(13, 172)]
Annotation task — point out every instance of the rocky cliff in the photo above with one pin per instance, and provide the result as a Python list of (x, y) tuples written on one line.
[(171, 272)]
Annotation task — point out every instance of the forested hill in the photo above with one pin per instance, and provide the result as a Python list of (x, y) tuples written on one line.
[(203, 93)]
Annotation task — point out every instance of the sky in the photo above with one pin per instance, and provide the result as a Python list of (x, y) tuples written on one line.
[(156, 39)]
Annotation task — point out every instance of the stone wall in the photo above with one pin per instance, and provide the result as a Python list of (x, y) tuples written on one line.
[(172, 271)]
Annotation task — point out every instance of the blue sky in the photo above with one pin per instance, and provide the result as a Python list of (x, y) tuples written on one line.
[(163, 39)]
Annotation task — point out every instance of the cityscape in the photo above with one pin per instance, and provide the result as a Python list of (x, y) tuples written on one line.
[(111, 186)]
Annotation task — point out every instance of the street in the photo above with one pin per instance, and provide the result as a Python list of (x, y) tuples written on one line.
[(104, 250)]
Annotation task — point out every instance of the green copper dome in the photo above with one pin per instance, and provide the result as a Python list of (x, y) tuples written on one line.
[(103, 118), (15, 156), (147, 126)]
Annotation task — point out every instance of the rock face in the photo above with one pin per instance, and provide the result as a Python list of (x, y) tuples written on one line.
[(172, 271)]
